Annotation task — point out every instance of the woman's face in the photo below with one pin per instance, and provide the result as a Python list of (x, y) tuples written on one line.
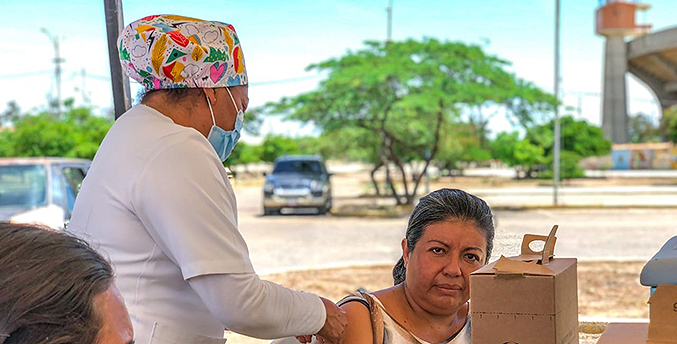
[(116, 326), (438, 267)]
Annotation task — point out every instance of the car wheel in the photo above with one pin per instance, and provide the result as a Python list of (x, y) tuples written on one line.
[(324, 209), (271, 211)]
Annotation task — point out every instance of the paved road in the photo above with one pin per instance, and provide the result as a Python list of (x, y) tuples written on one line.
[(279, 243)]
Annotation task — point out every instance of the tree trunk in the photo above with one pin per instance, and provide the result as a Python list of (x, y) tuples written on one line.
[(373, 178), (440, 118), (389, 181)]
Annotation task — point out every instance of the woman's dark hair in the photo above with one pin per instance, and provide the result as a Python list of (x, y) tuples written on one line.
[(48, 281), (443, 205), (173, 95)]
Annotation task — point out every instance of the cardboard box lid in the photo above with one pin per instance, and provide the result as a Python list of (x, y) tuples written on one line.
[(663, 315), (529, 262), (625, 333), (662, 267)]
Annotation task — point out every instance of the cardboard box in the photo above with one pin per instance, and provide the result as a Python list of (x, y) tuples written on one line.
[(661, 329), (625, 333), (663, 314), (528, 299)]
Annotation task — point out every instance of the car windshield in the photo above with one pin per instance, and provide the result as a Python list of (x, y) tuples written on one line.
[(23, 186), (298, 166)]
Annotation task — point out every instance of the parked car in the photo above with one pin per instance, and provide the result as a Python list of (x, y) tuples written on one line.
[(297, 181), (40, 190)]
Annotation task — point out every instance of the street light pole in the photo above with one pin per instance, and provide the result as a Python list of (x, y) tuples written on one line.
[(389, 10), (57, 68), (556, 148)]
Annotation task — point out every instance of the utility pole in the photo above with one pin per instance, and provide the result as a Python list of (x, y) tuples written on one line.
[(122, 99), (556, 148), (85, 97), (389, 11), (57, 68)]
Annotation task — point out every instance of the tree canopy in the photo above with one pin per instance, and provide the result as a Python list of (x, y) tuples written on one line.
[(405, 94), (76, 134), (534, 154), (669, 124)]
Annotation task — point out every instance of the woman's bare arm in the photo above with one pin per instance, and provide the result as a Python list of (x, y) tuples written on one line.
[(359, 330)]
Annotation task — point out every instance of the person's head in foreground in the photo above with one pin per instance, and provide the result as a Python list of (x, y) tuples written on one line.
[(193, 72), (449, 235), (57, 289)]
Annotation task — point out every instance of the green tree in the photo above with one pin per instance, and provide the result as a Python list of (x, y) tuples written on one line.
[(522, 154), (11, 114), (404, 93), (504, 145), (642, 129), (459, 143), (578, 137), (528, 158), (245, 153), (668, 126), (42, 135), (89, 131), (274, 146), (78, 134)]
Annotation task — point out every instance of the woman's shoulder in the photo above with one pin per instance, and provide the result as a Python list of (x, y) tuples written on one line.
[(358, 307), (358, 296)]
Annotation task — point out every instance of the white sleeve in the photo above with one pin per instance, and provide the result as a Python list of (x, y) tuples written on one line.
[(186, 203), (248, 305)]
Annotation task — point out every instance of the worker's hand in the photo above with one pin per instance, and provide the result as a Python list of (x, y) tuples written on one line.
[(334, 327), (305, 339)]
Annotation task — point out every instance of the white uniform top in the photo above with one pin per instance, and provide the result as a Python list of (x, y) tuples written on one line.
[(158, 202)]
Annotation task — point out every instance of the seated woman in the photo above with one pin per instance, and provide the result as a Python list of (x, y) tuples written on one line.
[(450, 234)]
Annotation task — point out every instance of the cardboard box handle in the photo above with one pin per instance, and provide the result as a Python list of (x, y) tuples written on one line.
[(548, 249)]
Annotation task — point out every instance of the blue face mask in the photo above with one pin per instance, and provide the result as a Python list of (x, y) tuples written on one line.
[(224, 141)]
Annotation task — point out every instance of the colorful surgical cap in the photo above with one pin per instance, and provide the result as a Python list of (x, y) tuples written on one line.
[(170, 51)]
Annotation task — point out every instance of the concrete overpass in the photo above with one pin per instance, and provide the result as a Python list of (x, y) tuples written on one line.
[(653, 59)]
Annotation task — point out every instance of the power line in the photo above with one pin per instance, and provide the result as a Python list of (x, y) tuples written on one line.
[(25, 75), (600, 94), (253, 84), (283, 81)]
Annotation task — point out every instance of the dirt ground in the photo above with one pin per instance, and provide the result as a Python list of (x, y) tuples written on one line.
[(605, 290)]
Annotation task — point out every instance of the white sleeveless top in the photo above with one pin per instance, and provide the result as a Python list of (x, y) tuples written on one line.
[(394, 333)]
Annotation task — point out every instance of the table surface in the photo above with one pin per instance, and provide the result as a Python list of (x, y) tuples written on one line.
[(625, 333)]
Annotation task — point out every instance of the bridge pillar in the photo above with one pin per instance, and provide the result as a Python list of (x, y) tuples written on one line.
[(614, 106)]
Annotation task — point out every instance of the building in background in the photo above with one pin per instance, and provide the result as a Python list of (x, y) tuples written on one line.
[(652, 57)]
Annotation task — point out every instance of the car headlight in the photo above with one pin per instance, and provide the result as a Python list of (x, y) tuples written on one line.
[(317, 188), (268, 187)]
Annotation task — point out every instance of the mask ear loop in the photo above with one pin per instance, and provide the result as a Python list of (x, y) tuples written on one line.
[(209, 102), (233, 99)]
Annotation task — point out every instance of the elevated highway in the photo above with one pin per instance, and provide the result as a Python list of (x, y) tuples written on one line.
[(653, 59)]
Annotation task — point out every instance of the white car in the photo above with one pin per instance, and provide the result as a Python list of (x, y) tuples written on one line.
[(40, 190)]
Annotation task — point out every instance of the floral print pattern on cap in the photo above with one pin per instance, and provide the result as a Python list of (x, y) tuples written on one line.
[(171, 51)]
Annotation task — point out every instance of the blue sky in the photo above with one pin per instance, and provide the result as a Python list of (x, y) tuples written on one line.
[(280, 38)]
